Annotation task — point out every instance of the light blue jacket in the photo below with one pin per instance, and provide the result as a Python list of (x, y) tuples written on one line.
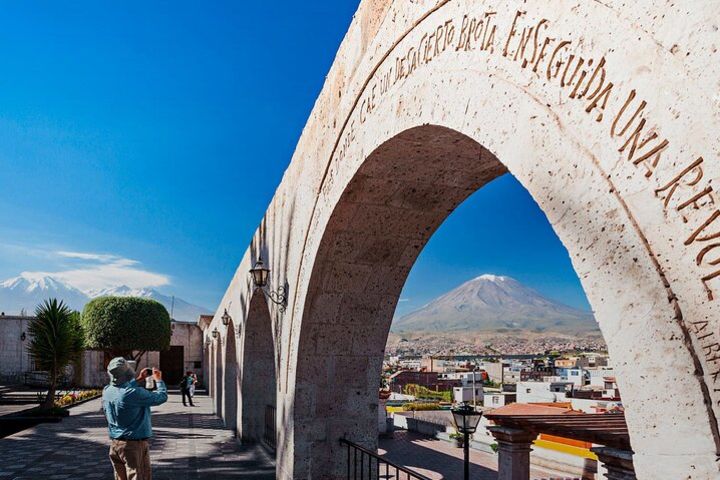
[(127, 408)]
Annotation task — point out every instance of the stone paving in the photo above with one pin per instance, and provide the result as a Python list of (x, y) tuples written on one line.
[(189, 443), (440, 460)]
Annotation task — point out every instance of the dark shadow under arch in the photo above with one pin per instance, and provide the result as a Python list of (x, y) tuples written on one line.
[(218, 380), (230, 380), (259, 379)]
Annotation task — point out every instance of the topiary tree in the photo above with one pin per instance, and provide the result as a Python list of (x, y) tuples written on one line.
[(56, 341), (126, 326)]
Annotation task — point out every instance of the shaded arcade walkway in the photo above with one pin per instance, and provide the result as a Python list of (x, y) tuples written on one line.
[(189, 443)]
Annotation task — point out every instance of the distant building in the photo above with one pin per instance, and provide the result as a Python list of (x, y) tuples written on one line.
[(498, 399), (592, 360), (431, 364), (468, 394), (566, 362), (574, 375), (494, 370), (543, 392)]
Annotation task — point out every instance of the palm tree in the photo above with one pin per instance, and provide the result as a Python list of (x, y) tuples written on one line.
[(56, 341)]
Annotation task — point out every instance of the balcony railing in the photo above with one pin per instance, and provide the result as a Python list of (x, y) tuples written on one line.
[(269, 433), (363, 464)]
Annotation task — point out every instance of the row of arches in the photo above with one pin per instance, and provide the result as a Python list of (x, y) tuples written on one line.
[(364, 192), (242, 373)]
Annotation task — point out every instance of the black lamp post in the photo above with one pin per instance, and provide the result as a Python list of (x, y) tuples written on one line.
[(466, 421), (260, 275)]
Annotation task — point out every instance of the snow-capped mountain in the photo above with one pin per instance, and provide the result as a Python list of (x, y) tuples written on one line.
[(25, 293), (495, 303)]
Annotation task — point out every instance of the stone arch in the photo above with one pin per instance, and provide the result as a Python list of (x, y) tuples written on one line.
[(230, 380), (387, 212), (259, 379)]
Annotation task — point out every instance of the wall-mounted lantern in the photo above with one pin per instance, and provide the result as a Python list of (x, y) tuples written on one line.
[(22, 337), (260, 275), (226, 318), (215, 333)]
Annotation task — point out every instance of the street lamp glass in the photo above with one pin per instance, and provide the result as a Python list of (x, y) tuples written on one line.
[(260, 273), (226, 318), (466, 418)]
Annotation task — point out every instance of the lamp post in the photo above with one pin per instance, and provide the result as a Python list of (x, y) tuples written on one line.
[(466, 421), (473, 387), (260, 275), (22, 349), (226, 318)]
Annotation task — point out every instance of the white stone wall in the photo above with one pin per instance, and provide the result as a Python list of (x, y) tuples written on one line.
[(14, 357), (618, 152)]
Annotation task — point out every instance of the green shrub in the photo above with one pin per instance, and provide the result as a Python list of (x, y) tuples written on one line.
[(121, 326), (424, 392), (417, 406)]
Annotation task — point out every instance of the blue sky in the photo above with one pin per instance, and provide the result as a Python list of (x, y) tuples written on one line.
[(131, 132)]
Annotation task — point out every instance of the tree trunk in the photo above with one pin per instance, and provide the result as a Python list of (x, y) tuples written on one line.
[(52, 386), (139, 356)]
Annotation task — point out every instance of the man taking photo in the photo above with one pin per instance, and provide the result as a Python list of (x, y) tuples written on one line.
[(127, 409)]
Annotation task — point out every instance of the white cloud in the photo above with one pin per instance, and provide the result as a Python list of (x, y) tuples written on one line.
[(100, 257), (97, 271), (404, 300)]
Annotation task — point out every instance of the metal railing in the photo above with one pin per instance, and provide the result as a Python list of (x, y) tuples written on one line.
[(364, 464), (269, 433)]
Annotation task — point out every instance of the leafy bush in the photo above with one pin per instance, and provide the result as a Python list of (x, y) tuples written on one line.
[(417, 406), (423, 392), (123, 325)]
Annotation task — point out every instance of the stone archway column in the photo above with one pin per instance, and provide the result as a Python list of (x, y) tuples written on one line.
[(514, 447), (618, 463)]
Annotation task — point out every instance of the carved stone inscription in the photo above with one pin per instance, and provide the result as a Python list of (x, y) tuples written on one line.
[(685, 193)]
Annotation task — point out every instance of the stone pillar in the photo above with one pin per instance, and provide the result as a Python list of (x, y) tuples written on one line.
[(513, 452), (382, 417), (618, 463)]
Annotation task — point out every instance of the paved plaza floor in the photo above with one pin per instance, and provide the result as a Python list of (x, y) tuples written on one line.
[(440, 460), (189, 443)]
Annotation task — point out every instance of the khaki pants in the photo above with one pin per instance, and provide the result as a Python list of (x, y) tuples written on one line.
[(131, 459)]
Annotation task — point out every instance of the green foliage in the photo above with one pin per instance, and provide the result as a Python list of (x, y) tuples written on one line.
[(56, 340), (417, 407), (121, 325), (424, 392)]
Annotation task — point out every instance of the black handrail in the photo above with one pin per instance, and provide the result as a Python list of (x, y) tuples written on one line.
[(270, 430), (375, 467)]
